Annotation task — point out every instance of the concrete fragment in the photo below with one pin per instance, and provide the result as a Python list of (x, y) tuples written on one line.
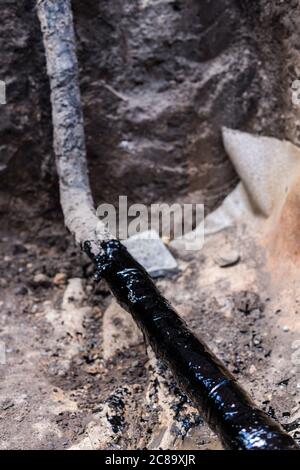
[(148, 249)]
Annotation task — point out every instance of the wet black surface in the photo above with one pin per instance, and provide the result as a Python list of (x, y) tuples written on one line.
[(225, 405)]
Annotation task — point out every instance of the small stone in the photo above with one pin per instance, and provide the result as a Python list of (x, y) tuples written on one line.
[(252, 369), (257, 340), (34, 308), (41, 279), (61, 373), (59, 279), (227, 258), (286, 328), (97, 311)]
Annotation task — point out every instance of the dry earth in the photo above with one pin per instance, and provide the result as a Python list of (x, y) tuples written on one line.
[(78, 374)]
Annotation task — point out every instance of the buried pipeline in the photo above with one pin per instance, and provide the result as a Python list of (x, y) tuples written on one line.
[(226, 407)]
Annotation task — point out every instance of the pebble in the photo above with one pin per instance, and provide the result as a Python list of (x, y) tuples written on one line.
[(97, 311), (256, 340), (34, 308), (286, 328), (41, 279), (59, 279), (228, 258)]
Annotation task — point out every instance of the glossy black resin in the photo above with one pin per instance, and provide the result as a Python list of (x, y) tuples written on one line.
[(224, 404)]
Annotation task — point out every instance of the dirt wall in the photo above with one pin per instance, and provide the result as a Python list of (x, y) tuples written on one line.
[(158, 78)]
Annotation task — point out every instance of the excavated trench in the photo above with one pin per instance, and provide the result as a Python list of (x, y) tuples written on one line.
[(154, 105)]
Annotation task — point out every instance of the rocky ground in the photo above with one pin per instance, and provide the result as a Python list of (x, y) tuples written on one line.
[(77, 373)]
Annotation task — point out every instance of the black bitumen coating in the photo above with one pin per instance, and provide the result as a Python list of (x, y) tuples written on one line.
[(226, 407)]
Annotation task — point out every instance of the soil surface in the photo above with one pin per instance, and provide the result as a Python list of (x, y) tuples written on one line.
[(76, 372)]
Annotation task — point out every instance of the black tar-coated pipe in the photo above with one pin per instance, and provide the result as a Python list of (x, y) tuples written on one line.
[(226, 407)]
